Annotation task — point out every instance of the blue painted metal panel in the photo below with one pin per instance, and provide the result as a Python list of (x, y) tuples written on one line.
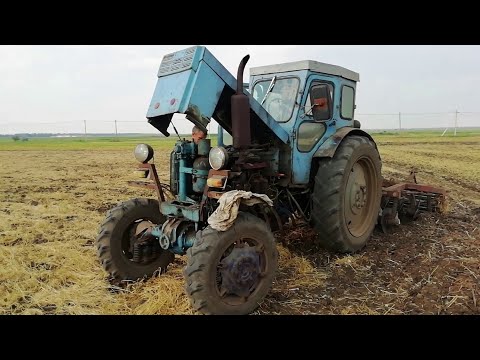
[(197, 89), (189, 170), (169, 94), (179, 209), (182, 189), (176, 73), (206, 89), (302, 161)]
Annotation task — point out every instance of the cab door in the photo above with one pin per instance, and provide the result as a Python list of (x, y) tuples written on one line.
[(310, 132)]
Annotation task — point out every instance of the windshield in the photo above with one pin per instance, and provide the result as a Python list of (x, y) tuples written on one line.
[(279, 99)]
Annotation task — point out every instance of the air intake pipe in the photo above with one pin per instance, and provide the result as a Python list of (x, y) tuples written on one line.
[(241, 112)]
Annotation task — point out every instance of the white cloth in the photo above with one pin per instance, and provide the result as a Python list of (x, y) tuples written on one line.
[(226, 213)]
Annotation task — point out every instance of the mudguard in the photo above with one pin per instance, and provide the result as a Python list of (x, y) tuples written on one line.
[(329, 147)]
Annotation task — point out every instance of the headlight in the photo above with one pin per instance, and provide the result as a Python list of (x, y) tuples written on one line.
[(218, 157), (143, 153)]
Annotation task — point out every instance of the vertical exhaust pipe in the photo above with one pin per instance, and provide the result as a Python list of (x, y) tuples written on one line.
[(241, 111)]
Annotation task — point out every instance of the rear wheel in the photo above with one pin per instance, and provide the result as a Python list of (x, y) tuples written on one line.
[(347, 194), (122, 252), (230, 272)]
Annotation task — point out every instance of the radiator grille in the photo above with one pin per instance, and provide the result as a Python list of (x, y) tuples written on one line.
[(176, 62)]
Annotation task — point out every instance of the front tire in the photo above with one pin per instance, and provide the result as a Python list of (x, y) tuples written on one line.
[(230, 272), (347, 194), (116, 240)]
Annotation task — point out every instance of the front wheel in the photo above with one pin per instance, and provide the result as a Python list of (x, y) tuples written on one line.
[(123, 253), (230, 272), (347, 194)]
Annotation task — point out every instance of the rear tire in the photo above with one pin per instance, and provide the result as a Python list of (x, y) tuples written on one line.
[(230, 272), (114, 241), (347, 194)]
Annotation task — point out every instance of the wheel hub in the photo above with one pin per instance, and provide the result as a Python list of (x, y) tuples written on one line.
[(358, 189), (240, 270), (142, 247), (359, 195)]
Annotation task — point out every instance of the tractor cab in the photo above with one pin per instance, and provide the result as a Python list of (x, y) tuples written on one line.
[(310, 100)]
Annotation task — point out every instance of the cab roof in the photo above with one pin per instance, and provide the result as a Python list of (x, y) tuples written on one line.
[(311, 65)]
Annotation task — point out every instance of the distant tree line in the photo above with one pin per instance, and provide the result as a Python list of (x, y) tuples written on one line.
[(18, 138), (43, 135), (25, 135)]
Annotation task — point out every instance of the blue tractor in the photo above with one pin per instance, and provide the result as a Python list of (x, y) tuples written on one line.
[(288, 150)]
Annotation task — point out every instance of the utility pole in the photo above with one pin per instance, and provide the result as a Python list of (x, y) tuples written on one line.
[(400, 121), (456, 122), (85, 126), (116, 132)]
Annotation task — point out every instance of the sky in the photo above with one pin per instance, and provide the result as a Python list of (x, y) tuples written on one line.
[(62, 88)]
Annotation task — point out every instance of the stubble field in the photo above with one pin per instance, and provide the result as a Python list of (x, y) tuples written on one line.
[(54, 193)]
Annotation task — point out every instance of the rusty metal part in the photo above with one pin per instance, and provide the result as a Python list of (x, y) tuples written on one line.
[(142, 226), (217, 181), (412, 178), (241, 111), (408, 200), (389, 218), (153, 172), (265, 216), (277, 218), (397, 189), (240, 70), (194, 114), (212, 172), (292, 201), (152, 176), (254, 166), (169, 232), (206, 191), (214, 194), (143, 184), (268, 209), (416, 197), (142, 245)]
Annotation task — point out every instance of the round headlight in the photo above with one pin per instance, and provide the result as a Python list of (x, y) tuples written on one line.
[(143, 153), (218, 157)]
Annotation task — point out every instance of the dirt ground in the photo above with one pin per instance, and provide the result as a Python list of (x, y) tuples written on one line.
[(52, 203)]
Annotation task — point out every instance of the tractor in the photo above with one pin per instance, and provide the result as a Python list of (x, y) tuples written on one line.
[(288, 150)]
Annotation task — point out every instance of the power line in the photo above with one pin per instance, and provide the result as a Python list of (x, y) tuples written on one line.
[(424, 113), (39, 123), (144, 121), (432, 113), (399, 119), (378, 114), (133, 121)]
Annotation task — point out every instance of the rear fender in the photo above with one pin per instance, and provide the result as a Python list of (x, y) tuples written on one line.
[(330, 146)]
